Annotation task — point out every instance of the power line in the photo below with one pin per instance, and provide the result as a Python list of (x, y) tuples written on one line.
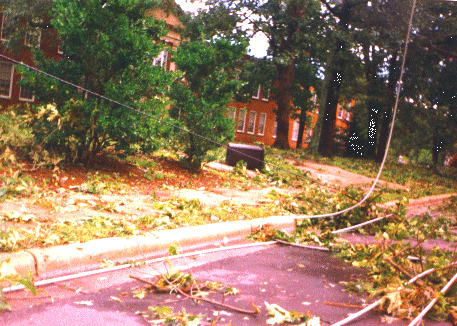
[(400, 81)]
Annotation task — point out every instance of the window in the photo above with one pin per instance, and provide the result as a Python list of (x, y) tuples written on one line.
[(241, 120), (60, 47), (347, 115), (259, 90), (5, 32), (266, 97), (33, 37), (251, 124), (295, 130), (26, 95), (314, 98), (161, 60), (340, 112), (231, 113), (262, 123), (6, 79), (275, 129), (309, 135)]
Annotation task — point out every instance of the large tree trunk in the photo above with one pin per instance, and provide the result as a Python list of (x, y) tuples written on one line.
[(286, 74), (374, 110), (387, 116), (334, 86), (328, 124), (374, 104)]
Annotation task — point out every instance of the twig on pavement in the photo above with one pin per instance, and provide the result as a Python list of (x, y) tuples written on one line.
[(255, 310)]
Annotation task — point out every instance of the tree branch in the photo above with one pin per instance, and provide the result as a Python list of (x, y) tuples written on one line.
[(224, 305)]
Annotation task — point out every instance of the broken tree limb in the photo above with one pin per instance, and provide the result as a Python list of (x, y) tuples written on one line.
[(224, 305), (346, 305), (302, 245), (376, 303), (419, 317)]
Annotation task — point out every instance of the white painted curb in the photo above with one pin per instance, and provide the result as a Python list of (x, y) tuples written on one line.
[(79, 257)]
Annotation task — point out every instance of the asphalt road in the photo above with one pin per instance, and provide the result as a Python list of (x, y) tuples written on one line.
[(294, 278)]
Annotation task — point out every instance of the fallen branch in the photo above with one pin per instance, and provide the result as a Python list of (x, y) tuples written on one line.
[(346, 305), (224, 305), (376, 303), (419, 317), (402, 270)]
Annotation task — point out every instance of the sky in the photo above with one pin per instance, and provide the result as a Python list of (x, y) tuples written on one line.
[(258, 45)]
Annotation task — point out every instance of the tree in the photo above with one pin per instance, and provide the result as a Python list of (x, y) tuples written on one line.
[(428, 114), (292, 28), (334, 71), (108, 49), (202, 92)]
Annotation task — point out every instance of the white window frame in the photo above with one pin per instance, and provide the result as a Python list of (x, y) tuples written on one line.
[(275, 129), (259, 90), (347, 115), (309, 135), (10, 92), (267, 98), (60, 47), (241, 121), (2, 30), (340, 113), (161, 60), (262, 124), (295, 129), (26, 99), (251, 122)]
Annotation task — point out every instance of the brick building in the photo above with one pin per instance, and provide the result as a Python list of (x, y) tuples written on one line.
[(47, 40), (256, 121)]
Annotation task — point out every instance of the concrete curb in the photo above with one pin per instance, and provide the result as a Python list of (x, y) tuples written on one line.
[(79, 257)]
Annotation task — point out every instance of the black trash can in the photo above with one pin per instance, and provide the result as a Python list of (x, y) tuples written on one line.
[(251, 154)]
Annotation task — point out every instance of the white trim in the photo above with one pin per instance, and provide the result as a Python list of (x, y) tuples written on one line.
[(257, 97), (267, 98), (295, 128), (24, 99), (309, 135), (10, 93), (340, 113), (347, 115), (1, 31), (275, 129), (240, 127), (60, 47), (161, 60), (262, 124), (251, 122)]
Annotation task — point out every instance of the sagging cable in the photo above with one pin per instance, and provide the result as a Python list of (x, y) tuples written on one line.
[(394, 115)]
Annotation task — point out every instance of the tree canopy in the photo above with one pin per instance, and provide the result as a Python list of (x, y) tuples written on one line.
[(108, 49)]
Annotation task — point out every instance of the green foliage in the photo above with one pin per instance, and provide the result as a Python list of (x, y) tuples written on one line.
[(9, 275), (108, 50), (200, 103)]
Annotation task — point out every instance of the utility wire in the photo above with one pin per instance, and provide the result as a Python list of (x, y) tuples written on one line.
[(254, 158), (394, 115), (17, 62)]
